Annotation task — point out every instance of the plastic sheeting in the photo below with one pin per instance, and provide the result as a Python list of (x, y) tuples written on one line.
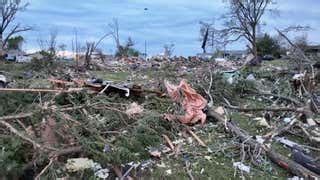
[(192, 102)]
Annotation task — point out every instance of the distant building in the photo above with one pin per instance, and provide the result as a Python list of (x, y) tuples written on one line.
[(235, 54), (36, 55), (205, 56), (313, 51), (16, 55)]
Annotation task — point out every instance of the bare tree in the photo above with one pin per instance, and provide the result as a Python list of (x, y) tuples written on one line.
[(62, 47), (91, 47), (297, 53), (76, 48), (243, 20), (9, 10), (50, 44), (114, 30), (168, 50)]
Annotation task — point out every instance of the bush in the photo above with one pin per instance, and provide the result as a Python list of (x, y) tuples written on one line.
[(267, 45)]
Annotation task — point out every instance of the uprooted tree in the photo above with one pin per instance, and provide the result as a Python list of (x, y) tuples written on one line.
[(243, 19), (8, 27)]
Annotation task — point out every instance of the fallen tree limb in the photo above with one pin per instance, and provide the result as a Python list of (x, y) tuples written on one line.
[(196, 137), (19, 116), (273, 109), (22, 136), (44, 170), (296, 102), (277, 158), (42, 90), (67, 151)]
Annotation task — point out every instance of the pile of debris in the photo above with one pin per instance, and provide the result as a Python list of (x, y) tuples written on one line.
[(204, 126)]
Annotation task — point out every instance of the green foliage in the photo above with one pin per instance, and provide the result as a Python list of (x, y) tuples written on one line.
[(46, 64), (10, 102), (268, 45), (11, 157), (15, 42), (244, 87)]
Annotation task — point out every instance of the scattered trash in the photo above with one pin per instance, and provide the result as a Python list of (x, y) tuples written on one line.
[(260, 139), (296, 178), (242, 167), (251, 77), (102, 173), (3, 81), (298, 76), (287, 120), (168, 172), (311, 122)]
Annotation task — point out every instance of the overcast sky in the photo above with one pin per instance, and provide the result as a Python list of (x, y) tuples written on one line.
[(165, 21)]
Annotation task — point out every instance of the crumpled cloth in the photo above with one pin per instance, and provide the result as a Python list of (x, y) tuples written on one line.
[(192, 102)]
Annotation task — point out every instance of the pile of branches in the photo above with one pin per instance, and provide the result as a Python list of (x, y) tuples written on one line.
[(54, 128)]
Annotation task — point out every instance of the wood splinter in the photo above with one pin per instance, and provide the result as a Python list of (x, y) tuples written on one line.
[(197, 138), (171, 146)]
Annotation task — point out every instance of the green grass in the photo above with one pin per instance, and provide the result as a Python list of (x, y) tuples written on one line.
[(112, 76)]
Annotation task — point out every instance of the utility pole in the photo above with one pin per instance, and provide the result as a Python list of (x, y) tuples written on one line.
[(145, 49), (145, 41)]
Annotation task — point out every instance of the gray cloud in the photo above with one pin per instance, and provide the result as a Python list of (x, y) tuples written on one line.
[(165, 21)]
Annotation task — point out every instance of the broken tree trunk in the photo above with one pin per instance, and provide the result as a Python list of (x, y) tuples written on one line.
[(277, 158), (42, 90)]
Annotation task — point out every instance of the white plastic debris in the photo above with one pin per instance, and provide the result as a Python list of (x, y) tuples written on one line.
[(3, 78), (79, 164), (311, 122), (202, 171), (295, 178), (102, 173), (230, 80), (134, 109), (262, 122), (287, 120), (298, 76), (251, 77), (169, 172), (260, 139), (286, 142), (242, 167)]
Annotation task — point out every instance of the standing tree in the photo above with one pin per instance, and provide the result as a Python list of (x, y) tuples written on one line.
[(114, 30), (267, 45), (15, 42), (49, 46), (168, 50), (243, 20), (9, 10), (90, 48)]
